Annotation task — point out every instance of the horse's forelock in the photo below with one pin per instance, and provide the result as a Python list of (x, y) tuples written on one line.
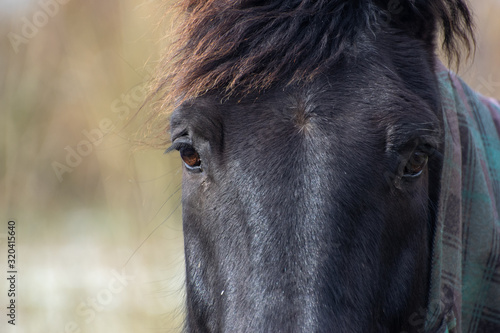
[(242, 46), (245, 46)]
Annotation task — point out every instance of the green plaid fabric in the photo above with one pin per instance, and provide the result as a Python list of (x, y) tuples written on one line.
[(465, 280)]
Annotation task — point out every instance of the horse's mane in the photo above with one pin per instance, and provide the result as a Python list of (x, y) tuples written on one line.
[(247, 45)]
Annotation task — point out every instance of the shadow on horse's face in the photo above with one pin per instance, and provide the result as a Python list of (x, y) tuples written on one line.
[(308, 206)]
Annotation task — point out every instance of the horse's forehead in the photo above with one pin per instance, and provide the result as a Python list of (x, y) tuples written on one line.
[(298, 105), (297, 99), (361, 97)]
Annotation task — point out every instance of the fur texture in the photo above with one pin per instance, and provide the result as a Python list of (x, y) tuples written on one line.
[(306, 117)]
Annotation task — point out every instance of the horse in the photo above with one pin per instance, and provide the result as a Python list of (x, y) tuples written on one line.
[(337, 177)]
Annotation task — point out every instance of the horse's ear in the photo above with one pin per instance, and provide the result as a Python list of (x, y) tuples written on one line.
[(424, 19)]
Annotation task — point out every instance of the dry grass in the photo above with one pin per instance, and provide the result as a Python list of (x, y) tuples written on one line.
[(118, 208)]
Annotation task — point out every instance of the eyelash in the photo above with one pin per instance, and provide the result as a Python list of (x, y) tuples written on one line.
[(420, 158), (189, 155)]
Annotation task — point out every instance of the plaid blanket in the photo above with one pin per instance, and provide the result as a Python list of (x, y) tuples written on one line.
[(465, 274)]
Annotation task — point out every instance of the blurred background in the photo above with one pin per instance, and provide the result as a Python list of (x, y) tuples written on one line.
[(99, 234)]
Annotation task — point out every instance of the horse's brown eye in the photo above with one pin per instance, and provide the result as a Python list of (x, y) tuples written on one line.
[(190, 157), (416, 164)]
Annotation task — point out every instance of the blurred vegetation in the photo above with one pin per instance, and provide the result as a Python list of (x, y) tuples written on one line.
[(483, 72), (85, 209)]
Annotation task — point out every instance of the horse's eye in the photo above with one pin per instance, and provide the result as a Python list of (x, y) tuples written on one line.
[(416, 164), (190, 157)]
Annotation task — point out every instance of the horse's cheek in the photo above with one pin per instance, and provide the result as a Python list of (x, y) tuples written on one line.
[(194, 189)]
